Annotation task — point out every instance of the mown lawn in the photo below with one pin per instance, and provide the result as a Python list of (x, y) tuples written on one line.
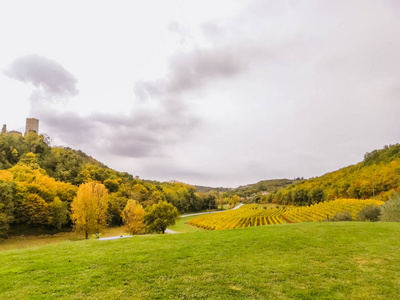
[(27, 240), (182, 227), (295, 261)]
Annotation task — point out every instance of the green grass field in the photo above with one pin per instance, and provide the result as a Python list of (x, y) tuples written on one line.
[(181, 226), (349, 260), (27, 240)]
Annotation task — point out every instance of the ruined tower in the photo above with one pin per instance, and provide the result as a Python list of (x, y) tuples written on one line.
[(32, 125), (4, 129)]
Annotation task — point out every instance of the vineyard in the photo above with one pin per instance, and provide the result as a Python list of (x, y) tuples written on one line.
[(258, 215)]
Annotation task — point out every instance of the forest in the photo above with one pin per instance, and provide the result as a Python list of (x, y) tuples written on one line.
[(38, 184), (377, 176)]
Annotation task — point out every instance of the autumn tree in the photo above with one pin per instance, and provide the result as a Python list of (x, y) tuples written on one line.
[(116, 204), (159, 216), (34, 210), (218, 199), (30, 160), (133, 217), (6, 206), (234, 200), (58, 213), (89, 208)]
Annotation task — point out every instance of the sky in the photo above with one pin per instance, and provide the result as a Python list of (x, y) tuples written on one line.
[(217, 93)]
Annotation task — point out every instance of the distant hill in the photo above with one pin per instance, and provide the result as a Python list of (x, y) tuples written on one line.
[(250, 190), (206, 189), (263, 187), (377, 176)]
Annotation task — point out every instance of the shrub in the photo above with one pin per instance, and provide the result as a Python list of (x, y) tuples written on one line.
[(391, 210), (342, 216), (369, 213)]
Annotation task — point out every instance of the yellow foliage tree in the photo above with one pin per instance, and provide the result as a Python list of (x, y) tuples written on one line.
[(6, 175), (133, 217), (89, 208), (234, 200), (34, 210)]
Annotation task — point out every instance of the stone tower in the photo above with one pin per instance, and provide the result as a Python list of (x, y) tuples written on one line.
[(32, 125), (4, 129)]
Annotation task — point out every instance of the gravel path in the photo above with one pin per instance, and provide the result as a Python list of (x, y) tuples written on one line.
[(114, 237)]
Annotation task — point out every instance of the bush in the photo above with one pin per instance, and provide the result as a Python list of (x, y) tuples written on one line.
[(342, 216), (391, 210), (369, 213)]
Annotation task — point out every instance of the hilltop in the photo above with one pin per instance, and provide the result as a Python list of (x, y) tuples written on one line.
[(377, 176)]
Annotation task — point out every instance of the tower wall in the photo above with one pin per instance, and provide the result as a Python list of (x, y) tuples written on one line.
[(32, 124)]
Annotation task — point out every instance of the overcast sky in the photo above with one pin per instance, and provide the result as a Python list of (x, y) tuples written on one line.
[(219, 93)]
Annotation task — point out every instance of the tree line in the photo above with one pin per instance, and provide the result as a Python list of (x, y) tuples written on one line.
[(38, 184), (89, 212)]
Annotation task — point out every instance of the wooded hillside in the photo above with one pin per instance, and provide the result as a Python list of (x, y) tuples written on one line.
[(38, 183), (377, 176)]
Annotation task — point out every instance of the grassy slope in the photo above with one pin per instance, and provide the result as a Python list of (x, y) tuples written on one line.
[(25, 241), (181, 226), (295, 261)]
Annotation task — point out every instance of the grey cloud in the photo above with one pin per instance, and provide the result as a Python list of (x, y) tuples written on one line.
[(68, 126), (233, 50), (45, 74), (190, 71), (141, 133)]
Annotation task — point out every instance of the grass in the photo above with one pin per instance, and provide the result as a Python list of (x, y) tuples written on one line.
[(28, 240), (181, 226), (343, 260)]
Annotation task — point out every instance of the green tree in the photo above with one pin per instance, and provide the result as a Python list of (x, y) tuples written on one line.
[(112, 185), (4, 225), (116, 205), (159, 216), (30, 160), (316, 195), (58, 213), (369, 213), (6, 206), (391, 210)]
